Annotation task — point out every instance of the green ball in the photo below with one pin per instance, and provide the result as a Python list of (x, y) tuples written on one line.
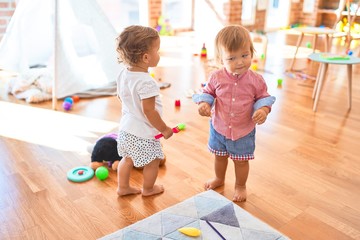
[(181, 126), (102, 173)]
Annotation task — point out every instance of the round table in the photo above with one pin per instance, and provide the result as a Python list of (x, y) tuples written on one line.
[(328, 58), (315, 31)]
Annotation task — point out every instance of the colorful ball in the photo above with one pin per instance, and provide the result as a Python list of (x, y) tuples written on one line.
[(69, 99), (254, 67), (102, 173), (67, 105), (181, 126), (75, 98)]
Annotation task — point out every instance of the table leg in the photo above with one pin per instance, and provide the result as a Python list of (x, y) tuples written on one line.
[(297, 48), (327, 43), (320, 84), (349, 72), (315, 42), (317, 80)]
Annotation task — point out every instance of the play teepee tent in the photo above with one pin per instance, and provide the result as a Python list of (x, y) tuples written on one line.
[(73, 39)]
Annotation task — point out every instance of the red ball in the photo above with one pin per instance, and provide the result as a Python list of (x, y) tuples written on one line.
[(75, 98)]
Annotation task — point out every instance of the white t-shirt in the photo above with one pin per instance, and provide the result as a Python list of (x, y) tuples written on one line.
[(132, 87)]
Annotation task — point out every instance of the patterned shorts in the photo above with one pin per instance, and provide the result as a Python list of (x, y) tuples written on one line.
[(142, 151)]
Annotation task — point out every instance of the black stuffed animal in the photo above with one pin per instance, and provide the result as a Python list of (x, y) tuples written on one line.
[(105, 151)]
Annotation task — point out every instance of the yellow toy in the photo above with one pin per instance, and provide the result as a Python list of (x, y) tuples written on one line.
[(190, 231)]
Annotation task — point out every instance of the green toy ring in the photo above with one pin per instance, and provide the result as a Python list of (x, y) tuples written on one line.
[(80, 174)]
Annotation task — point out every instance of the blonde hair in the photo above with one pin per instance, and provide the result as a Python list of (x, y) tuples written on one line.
[(133, 42), (232, 38)]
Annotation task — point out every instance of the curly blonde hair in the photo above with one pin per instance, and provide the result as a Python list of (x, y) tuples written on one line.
[(232, 38), (133, 42)]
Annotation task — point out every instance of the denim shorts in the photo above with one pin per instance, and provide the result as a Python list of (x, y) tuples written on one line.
[(241, 149)]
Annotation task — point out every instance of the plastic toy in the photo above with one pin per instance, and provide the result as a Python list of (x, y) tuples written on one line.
[(178, 128), (102, 173), (69, 99), (260, 42), (80, 174), (177, 103), (254, 67), (203, 51), (75, 98), (69, 102), (190, 231), (164, 27), (331, 56), (349, 52), (67, 105), (279, 82)]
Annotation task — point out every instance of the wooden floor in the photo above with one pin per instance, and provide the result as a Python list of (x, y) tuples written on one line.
[(304, 182)]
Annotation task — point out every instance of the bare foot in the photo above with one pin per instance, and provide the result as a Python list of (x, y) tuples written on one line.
[(213, 183), (115, 164), (128, 191), (155, 190), (240, 194), (162, 161)]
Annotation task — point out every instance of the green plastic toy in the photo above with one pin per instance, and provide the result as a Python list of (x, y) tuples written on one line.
[(102, 173), (80, 174), (178, 128)]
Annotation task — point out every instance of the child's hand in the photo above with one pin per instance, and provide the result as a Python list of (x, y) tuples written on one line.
[(260, 115), (167, 133), (204, 109)]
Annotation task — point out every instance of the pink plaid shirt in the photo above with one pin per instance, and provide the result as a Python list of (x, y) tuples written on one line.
[(235, 99)]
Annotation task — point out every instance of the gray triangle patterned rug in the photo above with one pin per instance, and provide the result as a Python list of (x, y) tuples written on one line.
[(215, 216)]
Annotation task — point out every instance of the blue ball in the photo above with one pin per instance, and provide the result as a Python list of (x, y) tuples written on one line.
[(69, 99)]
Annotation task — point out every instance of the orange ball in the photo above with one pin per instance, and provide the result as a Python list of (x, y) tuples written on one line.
[(75, 98)]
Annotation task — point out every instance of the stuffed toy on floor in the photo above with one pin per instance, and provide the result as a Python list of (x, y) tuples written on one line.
[(105, 152)]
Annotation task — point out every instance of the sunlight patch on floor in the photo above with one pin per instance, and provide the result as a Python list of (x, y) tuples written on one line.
[(58, 130)]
